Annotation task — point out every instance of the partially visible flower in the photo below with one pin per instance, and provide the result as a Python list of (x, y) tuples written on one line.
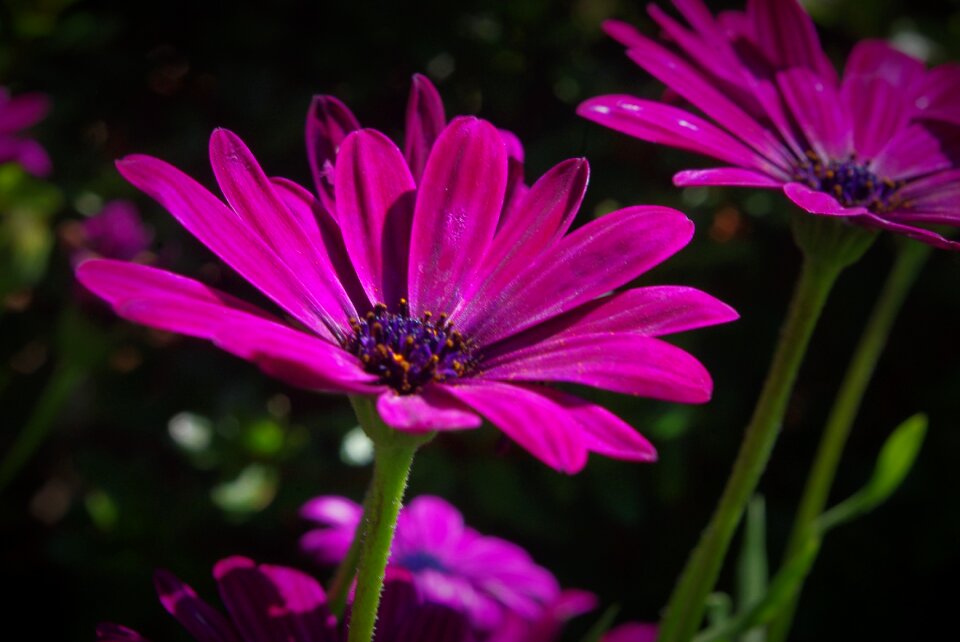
[(879, 148), (116, 232), (488, 578), (429, 296), (279, 604), (16, 114), (632, 632), (548, 626)]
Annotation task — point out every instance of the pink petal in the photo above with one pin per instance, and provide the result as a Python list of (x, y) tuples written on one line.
[(332, 510), (304, 604), (878, 110), (662, 124), (375, 194), (914, 151), (818, 110), (327, 545), (626, 363), (733, 176), (683, 79), (255, 604), (328, 123), (651, 311), (818, 202), (174, 303), (602, 431), (538, 424), (425, 120), (938, 192), (424, 411), (939, 94), (710, 50), (599, 257), (109, 632), (429, 524), (916, 233), (458, 203), (312, 214), (878, 59), (32, 157), (250, 194), (221, 230), (545, 213), (201, 620), (788, 37), (22, 111)]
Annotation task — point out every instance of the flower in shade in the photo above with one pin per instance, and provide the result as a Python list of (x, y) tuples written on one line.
[(488, 578), (428, 296), (116, 232), (16, 114), (878, 147), (279, 604)]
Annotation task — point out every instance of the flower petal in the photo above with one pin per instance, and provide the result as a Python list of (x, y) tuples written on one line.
[(428, 524), (22, 111), (545, 213), (877, 58), (603, 432), (538, 424), (305, 609), (250, 194), (818, 202), (666, 125), (626, 363), (914, 151), (424, 411), (201, 620), (221, 230), (936, 193), (375, 194), (458, 204), (332, 510), (599, 257), (910, 231), (939, 94), (818, 110), (174, 303), (679, 76), (788, 37), (733, 176), (878, 110), (328, 123), (109, 632), (425, 120)]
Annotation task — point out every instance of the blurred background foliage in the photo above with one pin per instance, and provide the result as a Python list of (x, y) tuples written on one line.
[(153, 450)]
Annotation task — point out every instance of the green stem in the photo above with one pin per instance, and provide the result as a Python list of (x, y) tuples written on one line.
[(829, 246), (61, 384), (910, 260), (393, 457)]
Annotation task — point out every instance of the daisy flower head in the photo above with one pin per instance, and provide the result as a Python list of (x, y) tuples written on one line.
[(877, 147)]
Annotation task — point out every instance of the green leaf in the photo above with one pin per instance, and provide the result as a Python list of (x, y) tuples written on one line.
[(602, 625), (752, 571)]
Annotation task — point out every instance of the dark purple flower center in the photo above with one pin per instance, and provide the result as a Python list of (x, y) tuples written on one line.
[(408, 352), (417, 561), (849, 181)]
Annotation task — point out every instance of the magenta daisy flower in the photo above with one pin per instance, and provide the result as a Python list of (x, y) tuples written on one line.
[(16, 114), (878, 148), (487, 578), (425, 296), (266, 603)]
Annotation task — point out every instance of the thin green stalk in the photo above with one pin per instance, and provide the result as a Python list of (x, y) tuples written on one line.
[(829, 246), (910, 259), (393, 457), (61, 384)]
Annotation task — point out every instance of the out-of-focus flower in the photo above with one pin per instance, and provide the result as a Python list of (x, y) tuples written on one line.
[(878, 148), (116, 232), (548, 625), (425, 297), (280, 604), (632, 632), (488, 578), (16, 114)]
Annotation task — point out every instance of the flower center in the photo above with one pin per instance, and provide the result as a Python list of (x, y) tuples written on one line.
[(421, 561), (850, 182), (405, 352)]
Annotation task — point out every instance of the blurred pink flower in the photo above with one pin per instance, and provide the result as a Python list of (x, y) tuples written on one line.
[(879, 148), (16, 114), (116, 232)]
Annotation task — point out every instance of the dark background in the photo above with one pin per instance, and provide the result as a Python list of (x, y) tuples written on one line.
[(110, 495)]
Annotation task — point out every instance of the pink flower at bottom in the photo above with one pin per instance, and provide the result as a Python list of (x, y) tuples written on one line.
[(878, 148)]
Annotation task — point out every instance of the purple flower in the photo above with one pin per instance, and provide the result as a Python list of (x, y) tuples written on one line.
[(487, 578), (116, 232), (425, 296), (16, 114), (267, 603), (878, 147)]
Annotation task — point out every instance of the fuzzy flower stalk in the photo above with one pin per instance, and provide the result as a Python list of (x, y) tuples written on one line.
[(875, 150), (427, 299)]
